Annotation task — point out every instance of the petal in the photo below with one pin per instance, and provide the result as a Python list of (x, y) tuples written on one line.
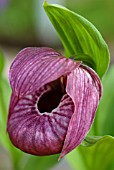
[(34, 67), (30, 131), (39, 134), (84, 87)]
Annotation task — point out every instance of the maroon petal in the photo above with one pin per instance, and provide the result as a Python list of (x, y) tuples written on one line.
[(34, 67), (41, 78), (85, 91), (31, 76), (39, 133)]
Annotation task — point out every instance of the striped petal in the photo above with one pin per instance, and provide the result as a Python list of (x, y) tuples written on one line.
[(53, 102), (32, 74), (39, 133), (85, 91), (34, 67)]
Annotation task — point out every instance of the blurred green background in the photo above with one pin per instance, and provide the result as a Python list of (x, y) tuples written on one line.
[(24, 23)]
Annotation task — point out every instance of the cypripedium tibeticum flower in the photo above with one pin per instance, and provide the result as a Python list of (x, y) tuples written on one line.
[(53, 102)]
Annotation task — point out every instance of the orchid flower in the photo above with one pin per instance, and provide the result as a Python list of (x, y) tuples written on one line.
[(53, 102)]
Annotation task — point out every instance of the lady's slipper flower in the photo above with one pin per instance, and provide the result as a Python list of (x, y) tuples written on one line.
[(53, 102)]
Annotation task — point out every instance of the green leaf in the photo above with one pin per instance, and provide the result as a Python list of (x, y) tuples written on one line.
[(5, 92), (38, 162), (4, 101), (96, 157), (105, 111), (90, 140), (79, 37)]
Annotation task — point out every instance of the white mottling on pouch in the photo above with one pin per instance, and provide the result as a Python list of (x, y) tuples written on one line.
[(29, 97), (23, 101), (45, 113), (39, 135)]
